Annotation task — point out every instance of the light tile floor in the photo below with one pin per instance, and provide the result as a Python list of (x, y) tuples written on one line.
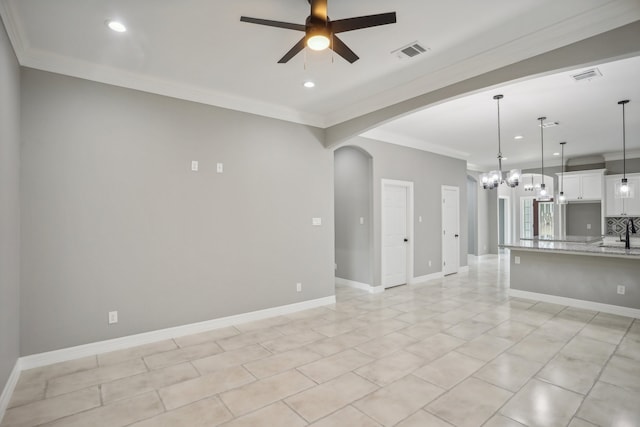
[(454, 351)]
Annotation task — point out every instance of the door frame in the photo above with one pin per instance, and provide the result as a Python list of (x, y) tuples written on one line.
[(520, 231), (409, 186), (442, 214)]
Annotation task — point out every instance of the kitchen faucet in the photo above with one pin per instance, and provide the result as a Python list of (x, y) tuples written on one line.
[(630, 228)]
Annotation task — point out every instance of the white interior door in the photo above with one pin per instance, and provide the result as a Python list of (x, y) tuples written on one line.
[(395, 233), (450, 229)]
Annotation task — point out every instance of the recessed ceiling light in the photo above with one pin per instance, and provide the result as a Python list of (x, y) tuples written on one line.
[(556, 154), (309, 84), (116, 26), (518, 137)]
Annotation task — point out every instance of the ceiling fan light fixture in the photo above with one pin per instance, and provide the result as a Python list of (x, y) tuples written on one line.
[(318, 40)]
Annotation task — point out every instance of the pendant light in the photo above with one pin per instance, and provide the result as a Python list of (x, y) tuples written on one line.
[(494, 178), (562, 199), (623, 189), (543, 194), (529, 187)]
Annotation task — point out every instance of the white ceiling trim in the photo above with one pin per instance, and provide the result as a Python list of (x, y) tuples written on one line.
[(82, 69), (393, 138)]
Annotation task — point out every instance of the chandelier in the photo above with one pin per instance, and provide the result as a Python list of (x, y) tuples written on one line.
[(494, 178)]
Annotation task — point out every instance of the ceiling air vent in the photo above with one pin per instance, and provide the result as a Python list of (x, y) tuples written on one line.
[(550, 124), (409, 51), (587, 75)]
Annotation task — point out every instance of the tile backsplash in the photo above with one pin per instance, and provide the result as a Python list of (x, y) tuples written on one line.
[(617, 225)]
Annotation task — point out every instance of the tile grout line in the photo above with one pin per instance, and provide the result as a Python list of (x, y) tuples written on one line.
[(604, 366)]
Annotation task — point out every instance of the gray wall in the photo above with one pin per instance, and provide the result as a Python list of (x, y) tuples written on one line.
[(578, 215), (487, 200), (114, 219), (429, 172), (353, 200), (584, 277), (9, 207)]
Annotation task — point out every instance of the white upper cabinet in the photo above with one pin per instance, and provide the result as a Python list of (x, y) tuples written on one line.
[(583, 186), (622, 207)]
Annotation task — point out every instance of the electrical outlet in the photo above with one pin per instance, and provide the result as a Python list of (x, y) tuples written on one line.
[(516, 260), (588, 226), (420, 218), (113, 317), (194, 165), (361, 220), (622, 289), (429, 263), (219, 168), (299, 287)]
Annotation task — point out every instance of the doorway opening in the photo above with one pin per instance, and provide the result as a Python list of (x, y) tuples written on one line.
[(353, 215)]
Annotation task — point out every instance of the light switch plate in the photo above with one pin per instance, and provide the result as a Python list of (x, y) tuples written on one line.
[(113, 317), (516, 260), (194, 165), (220, 168), (316, 221)]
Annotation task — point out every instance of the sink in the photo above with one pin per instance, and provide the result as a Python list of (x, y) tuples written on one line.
[(614, 242)]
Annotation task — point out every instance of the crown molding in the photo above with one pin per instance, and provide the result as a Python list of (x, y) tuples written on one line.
[(406, 141), (631, 154)]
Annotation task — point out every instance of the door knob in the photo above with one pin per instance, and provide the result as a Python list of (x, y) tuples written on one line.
[(406, 240), (456, 235)]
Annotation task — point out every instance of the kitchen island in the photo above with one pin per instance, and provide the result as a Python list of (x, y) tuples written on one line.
[(590, 273)]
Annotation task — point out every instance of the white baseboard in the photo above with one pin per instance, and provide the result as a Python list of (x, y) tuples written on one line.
[(5, 397), (62, 355), (359, 285), (578, 303), (426, 278)]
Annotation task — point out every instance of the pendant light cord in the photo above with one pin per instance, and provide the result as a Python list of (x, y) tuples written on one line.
[(624, 143), (542, 148), (498, 98), (562, 175)]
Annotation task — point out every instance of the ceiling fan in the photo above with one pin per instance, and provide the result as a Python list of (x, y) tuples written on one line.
[(320, 31)]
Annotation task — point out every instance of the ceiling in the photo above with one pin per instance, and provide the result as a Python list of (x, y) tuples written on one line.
[(589, 117), (199, 50)]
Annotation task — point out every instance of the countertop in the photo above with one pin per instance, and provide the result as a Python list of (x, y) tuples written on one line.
[(568, 239), (592, 248)]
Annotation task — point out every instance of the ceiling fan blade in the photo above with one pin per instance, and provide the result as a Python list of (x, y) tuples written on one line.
[(343, 50), (293, 52), (319, 9), (350, 24), (269, 23)]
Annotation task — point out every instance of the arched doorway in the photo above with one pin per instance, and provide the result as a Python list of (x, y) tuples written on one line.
[(353, 210)]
